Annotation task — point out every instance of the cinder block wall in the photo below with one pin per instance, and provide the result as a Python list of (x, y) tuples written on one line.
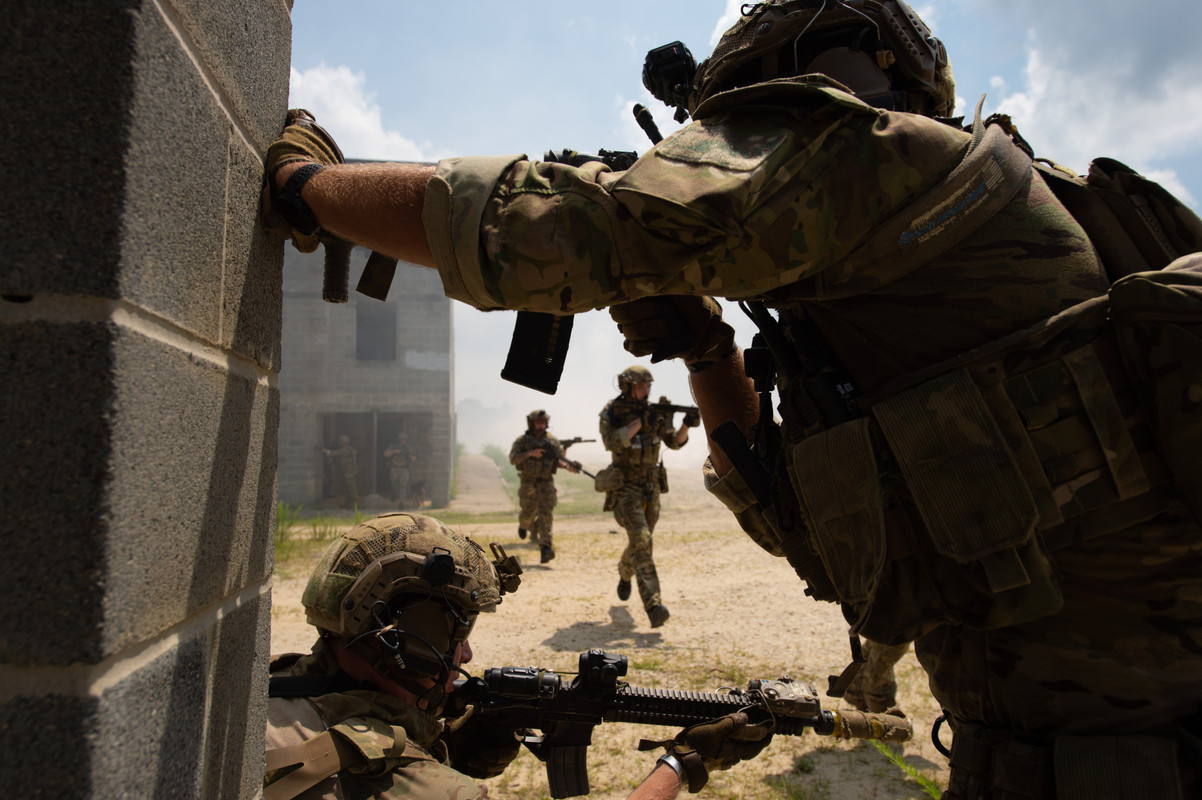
[(323, 376), (139, 344)]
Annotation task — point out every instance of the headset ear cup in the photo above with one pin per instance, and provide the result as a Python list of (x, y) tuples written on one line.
[(426, 631)]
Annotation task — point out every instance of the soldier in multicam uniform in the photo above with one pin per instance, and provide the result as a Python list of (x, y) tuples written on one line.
[(632, 432), (345, 464), (874, 687), (973, 454), (394, 601), (400, 459), (537, 455)]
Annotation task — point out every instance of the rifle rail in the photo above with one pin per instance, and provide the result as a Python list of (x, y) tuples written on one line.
[(680, 708)]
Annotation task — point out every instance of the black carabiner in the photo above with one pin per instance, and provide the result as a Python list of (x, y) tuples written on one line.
[(935, 726)]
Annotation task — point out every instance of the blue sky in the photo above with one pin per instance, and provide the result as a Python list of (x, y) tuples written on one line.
[(399, 80)]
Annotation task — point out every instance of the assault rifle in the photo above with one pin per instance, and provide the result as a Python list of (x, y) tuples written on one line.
[(555, 717), (576, 465), (661, 409), (540, 341), (564, 461)]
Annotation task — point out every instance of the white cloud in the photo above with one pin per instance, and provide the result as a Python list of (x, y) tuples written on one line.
[(1072, 115), (928, 13), (729, 17), (340, 101)]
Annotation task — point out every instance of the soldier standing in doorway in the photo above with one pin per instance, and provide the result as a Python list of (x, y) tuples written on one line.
[(400, 458), (344, 463)]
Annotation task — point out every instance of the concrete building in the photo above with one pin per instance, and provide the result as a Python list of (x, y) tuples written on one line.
[(367, 370), (139, 346)]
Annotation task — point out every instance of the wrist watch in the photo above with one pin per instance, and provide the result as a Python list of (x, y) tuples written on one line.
[(290, 205), (674, 762)]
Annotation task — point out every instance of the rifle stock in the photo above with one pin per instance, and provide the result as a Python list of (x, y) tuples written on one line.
[(559, 715)]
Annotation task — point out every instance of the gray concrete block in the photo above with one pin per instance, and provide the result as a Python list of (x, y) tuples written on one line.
[(54, 441), (251, 301), (66, 121), (39, 731), (193, 493), (188, 723), (249, 58), (175, 212), (149, 728), (143, 490), (237, 722)]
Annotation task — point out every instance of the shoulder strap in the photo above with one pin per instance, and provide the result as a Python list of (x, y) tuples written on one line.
[(1135, 224), (994, 169), (350, 746), (315, 760)]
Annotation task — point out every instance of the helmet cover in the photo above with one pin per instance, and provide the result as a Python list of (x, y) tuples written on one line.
[(772, 37), (632, 376), (391, 556)]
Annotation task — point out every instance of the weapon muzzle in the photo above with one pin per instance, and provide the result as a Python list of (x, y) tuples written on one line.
[(861, 725)]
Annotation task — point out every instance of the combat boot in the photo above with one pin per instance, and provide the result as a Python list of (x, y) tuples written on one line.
[(658, 615), (545, 554), (623, 590), (521, 533)]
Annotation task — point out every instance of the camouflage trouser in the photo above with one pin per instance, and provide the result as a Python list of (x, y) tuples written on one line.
[(636, 508), (400, 484), (536, 506), (875, 687), (344, 485), (1118, 662)]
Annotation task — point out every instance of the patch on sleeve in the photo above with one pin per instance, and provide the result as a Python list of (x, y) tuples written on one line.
[(720, 146)]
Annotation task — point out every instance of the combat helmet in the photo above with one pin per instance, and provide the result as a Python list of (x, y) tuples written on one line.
[(880, 49), (411, 585), (537, 415), (632, 376)]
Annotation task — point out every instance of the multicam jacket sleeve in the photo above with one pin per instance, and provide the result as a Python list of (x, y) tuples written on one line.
[(734, 205)]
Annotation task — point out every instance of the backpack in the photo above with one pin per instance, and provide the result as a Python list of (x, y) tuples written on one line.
[(941, 505)]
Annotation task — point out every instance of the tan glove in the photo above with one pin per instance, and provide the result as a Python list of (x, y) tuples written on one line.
[(301, 140), (717, 744), (479, 749), (674, 326)]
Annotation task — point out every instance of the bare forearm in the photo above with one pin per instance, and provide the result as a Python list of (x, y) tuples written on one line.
[(723, 392), (375, 205), (662, 784)]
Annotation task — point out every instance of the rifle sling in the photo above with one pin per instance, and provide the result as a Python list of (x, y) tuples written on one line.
[(318, 758), (377, 276)]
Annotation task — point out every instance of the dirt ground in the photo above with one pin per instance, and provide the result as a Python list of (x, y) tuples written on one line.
[(737, 613)]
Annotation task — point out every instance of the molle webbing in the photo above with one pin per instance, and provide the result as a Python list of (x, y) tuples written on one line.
[(1068, 414), (991, 173)]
